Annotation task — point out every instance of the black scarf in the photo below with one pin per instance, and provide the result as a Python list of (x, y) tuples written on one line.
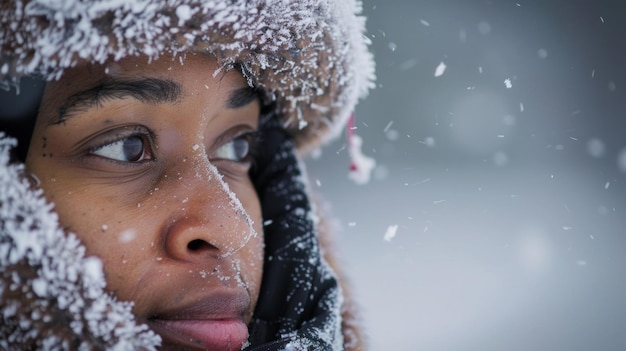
[(300, 300)]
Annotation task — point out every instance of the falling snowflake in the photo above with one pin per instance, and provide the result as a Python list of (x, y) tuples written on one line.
[(440, 70), (391, 232)]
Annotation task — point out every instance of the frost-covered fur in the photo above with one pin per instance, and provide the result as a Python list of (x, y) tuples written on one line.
[(310, 56), (51, 296)]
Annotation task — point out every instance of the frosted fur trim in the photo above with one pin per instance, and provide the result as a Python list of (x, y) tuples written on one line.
[(51, 296), (310, 56)]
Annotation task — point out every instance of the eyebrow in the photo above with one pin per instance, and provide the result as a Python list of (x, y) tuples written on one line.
[(147, 90), (241, 97)]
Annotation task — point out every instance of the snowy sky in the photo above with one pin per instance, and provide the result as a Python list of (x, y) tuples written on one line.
[(496, 213), (495, 216)]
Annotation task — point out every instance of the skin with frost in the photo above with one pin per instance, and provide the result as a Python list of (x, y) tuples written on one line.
[(148, 165)]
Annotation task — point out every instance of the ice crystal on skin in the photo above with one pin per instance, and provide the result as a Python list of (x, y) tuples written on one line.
[(238, 207), (210, 172), (127, 236), (51, 295)]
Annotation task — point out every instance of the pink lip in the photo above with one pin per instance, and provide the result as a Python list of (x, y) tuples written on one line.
[(224, 334), (214, 322)]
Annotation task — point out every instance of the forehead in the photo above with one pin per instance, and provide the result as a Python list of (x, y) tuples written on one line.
[(194, 73)]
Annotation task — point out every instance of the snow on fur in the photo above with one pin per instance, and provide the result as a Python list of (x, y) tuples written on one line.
[(51, 296), (309, 56)]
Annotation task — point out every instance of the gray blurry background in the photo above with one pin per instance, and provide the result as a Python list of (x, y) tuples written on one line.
[(506, 177)]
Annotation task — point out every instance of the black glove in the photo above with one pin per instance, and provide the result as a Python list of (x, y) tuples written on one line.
[(300, 301)]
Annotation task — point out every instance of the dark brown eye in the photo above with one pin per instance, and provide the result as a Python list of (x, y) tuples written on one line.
[(131, 149)]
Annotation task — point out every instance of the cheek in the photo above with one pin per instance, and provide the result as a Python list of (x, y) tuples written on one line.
[(126, 241), (111, 232), (81, 208)]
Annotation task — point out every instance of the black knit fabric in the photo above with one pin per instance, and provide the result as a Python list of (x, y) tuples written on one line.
[(299, 302)]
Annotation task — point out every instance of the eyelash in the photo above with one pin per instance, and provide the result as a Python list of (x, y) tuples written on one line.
[(252, 138), (147, 147)]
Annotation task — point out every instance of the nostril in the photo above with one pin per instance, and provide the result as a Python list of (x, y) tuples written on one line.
[(198, 244)]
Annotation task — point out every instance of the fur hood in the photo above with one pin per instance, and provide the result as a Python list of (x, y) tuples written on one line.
[(310, 57)]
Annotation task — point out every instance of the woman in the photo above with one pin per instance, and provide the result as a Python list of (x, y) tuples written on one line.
[(167, 140)]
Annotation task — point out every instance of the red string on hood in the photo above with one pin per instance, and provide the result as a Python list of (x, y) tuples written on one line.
[(361, 166), (350, 132)]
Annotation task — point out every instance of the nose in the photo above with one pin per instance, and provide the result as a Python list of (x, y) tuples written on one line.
[(211, 223)]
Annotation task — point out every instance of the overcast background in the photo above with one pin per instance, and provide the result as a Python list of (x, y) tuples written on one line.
[(506, 177)]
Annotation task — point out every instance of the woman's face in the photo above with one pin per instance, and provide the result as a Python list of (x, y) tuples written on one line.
[(138, 159)]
